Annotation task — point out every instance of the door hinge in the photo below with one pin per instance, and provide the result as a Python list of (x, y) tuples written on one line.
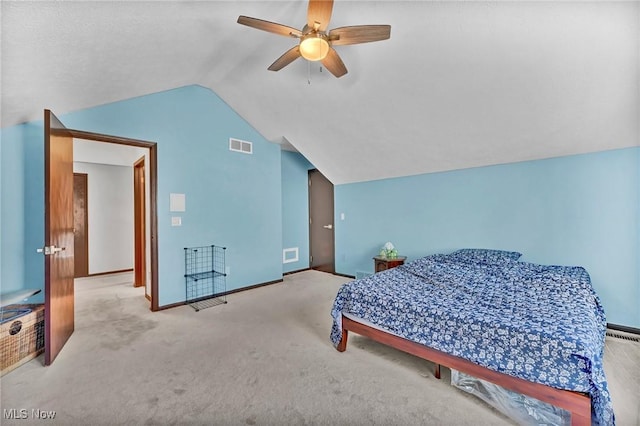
[(310, 221), (309, 182), (310, 259)]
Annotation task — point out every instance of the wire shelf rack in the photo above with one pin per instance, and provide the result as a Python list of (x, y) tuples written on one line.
[(205, 276)]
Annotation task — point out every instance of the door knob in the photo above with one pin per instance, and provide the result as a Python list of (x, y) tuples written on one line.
[(328, 226), (49, 250)]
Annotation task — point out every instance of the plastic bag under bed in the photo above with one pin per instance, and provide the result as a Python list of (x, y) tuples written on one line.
[(521, 408)]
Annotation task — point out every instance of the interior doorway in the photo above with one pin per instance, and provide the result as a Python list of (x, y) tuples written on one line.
[(113, 152), (80, 225), (321, 232), (117, 209), (145, 236), (58, 250)]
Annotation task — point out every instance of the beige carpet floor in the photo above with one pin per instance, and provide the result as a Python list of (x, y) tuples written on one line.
[(264, 358)]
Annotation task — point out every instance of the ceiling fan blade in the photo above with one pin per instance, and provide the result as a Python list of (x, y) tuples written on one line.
[(359, 34), (284, 60), (334, 64), (270, 27), (319, 11)]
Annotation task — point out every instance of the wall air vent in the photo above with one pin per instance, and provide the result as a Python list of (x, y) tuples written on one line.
[(623, 336), (240, 146), (290, 255)]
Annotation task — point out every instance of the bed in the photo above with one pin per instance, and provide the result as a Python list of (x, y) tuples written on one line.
[(535, 329)]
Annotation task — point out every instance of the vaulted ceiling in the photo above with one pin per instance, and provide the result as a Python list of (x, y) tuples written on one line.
[(459, 84)]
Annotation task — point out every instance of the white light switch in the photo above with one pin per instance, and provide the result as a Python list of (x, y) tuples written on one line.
[(177, 202), (176, 221), (341, 216)]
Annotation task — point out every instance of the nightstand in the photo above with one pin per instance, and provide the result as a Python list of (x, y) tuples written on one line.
[(384, 263)]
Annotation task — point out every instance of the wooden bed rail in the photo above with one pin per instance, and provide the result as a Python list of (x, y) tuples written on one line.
[(578, 404)]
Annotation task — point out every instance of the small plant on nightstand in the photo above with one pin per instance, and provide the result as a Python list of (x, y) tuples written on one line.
[(389, 251)]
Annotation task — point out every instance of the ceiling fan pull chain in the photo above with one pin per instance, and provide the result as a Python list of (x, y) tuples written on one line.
[(308, 72)]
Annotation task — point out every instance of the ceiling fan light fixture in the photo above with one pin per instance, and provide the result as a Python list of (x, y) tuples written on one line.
[(315, 41), (314, 47)]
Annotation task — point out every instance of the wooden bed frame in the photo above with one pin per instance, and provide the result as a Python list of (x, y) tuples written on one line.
[(578, 404)]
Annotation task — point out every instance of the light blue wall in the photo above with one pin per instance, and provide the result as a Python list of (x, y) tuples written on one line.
[(22, 172), (232, 199), (295, 208), (12, 195), (576, 210), (1, 190)]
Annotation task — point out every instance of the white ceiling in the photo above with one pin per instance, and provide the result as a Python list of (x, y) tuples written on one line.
[(459, 84)]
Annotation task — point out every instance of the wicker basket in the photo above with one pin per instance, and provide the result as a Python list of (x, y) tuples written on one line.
[(22, 337)]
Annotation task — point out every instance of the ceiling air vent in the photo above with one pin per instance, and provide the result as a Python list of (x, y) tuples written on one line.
[(240, 146)]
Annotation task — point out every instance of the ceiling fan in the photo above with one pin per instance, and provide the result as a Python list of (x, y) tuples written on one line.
[(316, 43)]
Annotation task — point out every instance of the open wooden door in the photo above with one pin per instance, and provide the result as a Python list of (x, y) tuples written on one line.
[(58, 236), (139, 226)]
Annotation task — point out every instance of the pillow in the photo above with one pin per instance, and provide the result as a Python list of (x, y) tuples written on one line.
[(487, 256)]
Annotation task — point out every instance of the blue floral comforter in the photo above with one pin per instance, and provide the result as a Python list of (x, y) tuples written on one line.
[(541, 323)]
